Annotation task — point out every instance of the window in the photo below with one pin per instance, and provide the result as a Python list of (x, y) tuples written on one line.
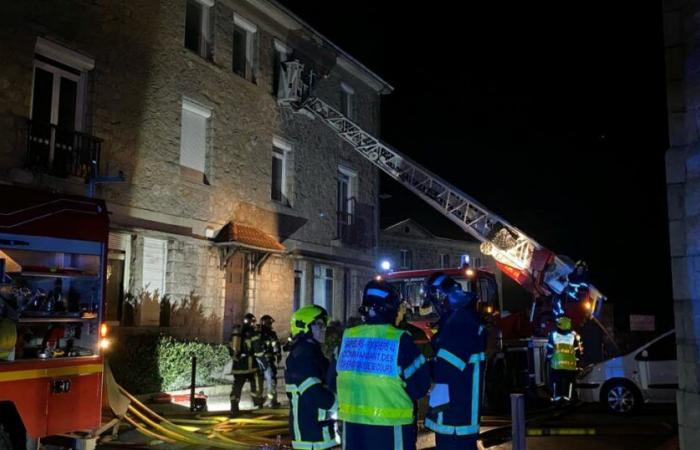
[(444, 260), (245, 48), (58, 99), (477, 263), (406, 259), (193, 140), (346, 195), (279, 55), (346, 101), (154, 262), (280, 152), (299, 285), (662, 350), (464, 260), (323, 287), (198, 30)]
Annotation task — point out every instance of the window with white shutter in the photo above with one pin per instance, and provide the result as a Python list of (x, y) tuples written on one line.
[(155, 256), (193, 139)]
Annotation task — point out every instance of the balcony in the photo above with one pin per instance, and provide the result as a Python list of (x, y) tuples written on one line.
[(60, 152), (356, 228)]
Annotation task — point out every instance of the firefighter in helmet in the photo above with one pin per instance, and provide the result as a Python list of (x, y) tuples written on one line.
[(269, 354), (244, 340), (380, 375), (459, 346), (563, 351), (305, 377)]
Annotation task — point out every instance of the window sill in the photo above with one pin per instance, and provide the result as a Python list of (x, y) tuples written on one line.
[(281, 206), (194, 177)]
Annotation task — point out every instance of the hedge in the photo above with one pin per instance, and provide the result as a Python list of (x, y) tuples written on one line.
[(151, 363)]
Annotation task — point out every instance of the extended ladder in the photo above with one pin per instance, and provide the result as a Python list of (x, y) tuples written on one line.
[(519, 255)]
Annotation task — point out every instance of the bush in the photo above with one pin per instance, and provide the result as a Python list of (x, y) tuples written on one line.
[(148, 363)]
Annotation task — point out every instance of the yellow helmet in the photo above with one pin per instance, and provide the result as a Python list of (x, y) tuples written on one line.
[(564, 323), (305, 316)]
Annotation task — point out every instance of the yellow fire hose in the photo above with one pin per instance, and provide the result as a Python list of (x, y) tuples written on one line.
[(212, 431)]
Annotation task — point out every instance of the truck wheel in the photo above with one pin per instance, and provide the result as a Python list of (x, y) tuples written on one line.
[(620, 397), (5, 443)]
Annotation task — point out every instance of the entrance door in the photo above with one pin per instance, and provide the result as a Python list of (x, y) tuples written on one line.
[(234, 306)]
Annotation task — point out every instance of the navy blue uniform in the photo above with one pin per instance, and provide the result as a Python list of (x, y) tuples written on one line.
[(459, 348), (305, 378), (416, 374)]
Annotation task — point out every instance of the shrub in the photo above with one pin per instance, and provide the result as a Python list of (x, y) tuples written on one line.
[(148, 363)]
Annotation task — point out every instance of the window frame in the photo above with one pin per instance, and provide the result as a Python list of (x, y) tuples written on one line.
[(205, 113), (251, 33), (345, 173), (444, 260), (205, 40), (285, 148), (406, 258), (347, 103), (164, 265)]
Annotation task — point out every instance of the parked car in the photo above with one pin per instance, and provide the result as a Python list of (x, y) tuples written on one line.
[(648, 374)]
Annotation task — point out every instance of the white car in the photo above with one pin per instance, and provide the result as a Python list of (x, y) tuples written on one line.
[(648, 374)]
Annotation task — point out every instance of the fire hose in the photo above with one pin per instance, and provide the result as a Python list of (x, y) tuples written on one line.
[(222, 432)]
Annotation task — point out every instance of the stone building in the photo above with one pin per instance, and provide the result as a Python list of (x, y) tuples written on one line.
[(683, 178), (229, 202), (408, 245)]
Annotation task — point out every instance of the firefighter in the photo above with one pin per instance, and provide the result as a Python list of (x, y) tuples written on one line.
[(563, 351), (244, 339), (380, 375), (459, 346), (305, 376), (269, 354)]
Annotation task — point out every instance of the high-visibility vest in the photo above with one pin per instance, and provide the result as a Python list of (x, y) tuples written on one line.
[(370, 388), (564, 356)]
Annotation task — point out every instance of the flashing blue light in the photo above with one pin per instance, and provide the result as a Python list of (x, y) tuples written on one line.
[(386, 265)]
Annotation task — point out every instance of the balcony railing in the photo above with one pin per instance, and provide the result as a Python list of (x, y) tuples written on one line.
[(61, 152), (356, 228)]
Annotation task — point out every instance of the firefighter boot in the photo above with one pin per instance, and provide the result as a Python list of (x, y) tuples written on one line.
[(234, 407)]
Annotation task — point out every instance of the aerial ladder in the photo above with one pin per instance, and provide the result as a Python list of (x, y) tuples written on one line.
[(537, 269)]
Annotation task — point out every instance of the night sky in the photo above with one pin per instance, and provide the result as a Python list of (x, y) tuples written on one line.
[(552, 115)]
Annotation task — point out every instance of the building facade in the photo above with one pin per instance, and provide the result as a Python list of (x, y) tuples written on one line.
[(683, 186), (408, 245), (222, 201)]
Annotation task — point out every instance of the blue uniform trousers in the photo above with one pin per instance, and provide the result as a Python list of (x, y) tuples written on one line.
[(365, 437)]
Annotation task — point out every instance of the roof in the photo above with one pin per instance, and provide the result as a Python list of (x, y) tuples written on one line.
[(438, 227), (248, 237)]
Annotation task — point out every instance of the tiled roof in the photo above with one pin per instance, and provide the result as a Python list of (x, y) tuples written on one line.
[(248, 237)]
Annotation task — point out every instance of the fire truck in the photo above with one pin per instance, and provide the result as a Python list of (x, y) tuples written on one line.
[(53, 251)]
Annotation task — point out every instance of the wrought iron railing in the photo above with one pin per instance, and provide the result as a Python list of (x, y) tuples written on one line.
[(356, 226), (61, 152)]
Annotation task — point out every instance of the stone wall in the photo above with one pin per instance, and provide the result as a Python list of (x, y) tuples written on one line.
[(683, 178), (134, 100)]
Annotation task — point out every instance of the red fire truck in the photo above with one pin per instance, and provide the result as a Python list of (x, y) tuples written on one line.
[(52, 272)]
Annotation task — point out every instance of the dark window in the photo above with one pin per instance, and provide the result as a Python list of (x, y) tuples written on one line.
[(193, 25), (406, 259), (298, 279), (240, 44), (663, 350), (42, 96), (277, 174), (444, 260)]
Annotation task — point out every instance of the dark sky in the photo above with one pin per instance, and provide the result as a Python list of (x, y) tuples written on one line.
[(551, 114)]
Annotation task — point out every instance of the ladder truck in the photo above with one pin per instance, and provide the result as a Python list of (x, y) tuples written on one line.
[(541, 272), (537, 269)]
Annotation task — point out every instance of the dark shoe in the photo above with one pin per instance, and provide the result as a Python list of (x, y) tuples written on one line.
[(275, 404)]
